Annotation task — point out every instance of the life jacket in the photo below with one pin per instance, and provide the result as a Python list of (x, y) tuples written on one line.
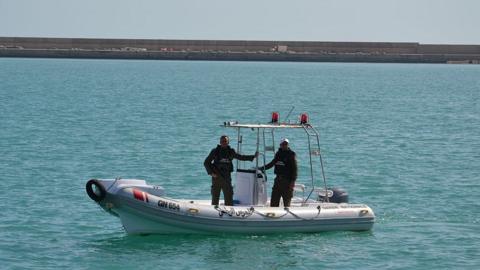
[(223, 159), (285, 164)]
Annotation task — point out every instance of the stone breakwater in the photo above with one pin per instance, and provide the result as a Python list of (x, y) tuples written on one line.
[(231, 50)]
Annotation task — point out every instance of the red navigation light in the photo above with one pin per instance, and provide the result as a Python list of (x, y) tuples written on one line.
[(275, 117), (303, 118)]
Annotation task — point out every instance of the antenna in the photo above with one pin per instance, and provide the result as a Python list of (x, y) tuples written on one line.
[(291, 110)]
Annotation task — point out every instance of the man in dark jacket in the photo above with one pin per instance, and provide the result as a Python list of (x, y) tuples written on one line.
[(286, 170), (221, 168)]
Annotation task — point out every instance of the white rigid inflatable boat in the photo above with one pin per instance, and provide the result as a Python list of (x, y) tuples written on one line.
[(145, 209)]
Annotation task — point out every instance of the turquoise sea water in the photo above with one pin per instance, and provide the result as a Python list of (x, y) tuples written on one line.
[(404, 139)]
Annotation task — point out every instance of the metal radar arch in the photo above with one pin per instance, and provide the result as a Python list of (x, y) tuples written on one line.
[(268, 129)]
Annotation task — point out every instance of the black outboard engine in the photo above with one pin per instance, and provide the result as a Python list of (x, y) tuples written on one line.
[(335, 195)]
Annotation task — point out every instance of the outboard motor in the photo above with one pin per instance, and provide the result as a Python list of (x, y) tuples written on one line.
[(335, 195)]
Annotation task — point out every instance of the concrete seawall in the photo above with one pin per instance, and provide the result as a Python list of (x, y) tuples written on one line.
[(308, 51)]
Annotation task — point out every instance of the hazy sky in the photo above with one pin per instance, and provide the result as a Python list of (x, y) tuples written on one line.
[(424, 21)]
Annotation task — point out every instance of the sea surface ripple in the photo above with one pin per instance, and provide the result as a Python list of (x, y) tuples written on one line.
[(401, 138)]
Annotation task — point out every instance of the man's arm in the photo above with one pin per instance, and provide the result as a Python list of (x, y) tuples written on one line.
[(294, 167), (243, 157), (272, 163), (208, 162)]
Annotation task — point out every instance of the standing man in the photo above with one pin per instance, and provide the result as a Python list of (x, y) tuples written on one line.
[(285, 164), (221, 169)]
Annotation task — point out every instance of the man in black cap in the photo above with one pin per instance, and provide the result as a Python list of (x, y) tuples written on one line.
[(286, 170), (221, 169)]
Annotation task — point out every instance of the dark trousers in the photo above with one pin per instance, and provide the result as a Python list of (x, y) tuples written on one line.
[(225, 185), (282, 188)]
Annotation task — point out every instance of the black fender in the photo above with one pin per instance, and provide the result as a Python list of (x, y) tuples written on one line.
[(98, 194)]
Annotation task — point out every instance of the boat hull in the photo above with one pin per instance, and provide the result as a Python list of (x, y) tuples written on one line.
[(142, 212)]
